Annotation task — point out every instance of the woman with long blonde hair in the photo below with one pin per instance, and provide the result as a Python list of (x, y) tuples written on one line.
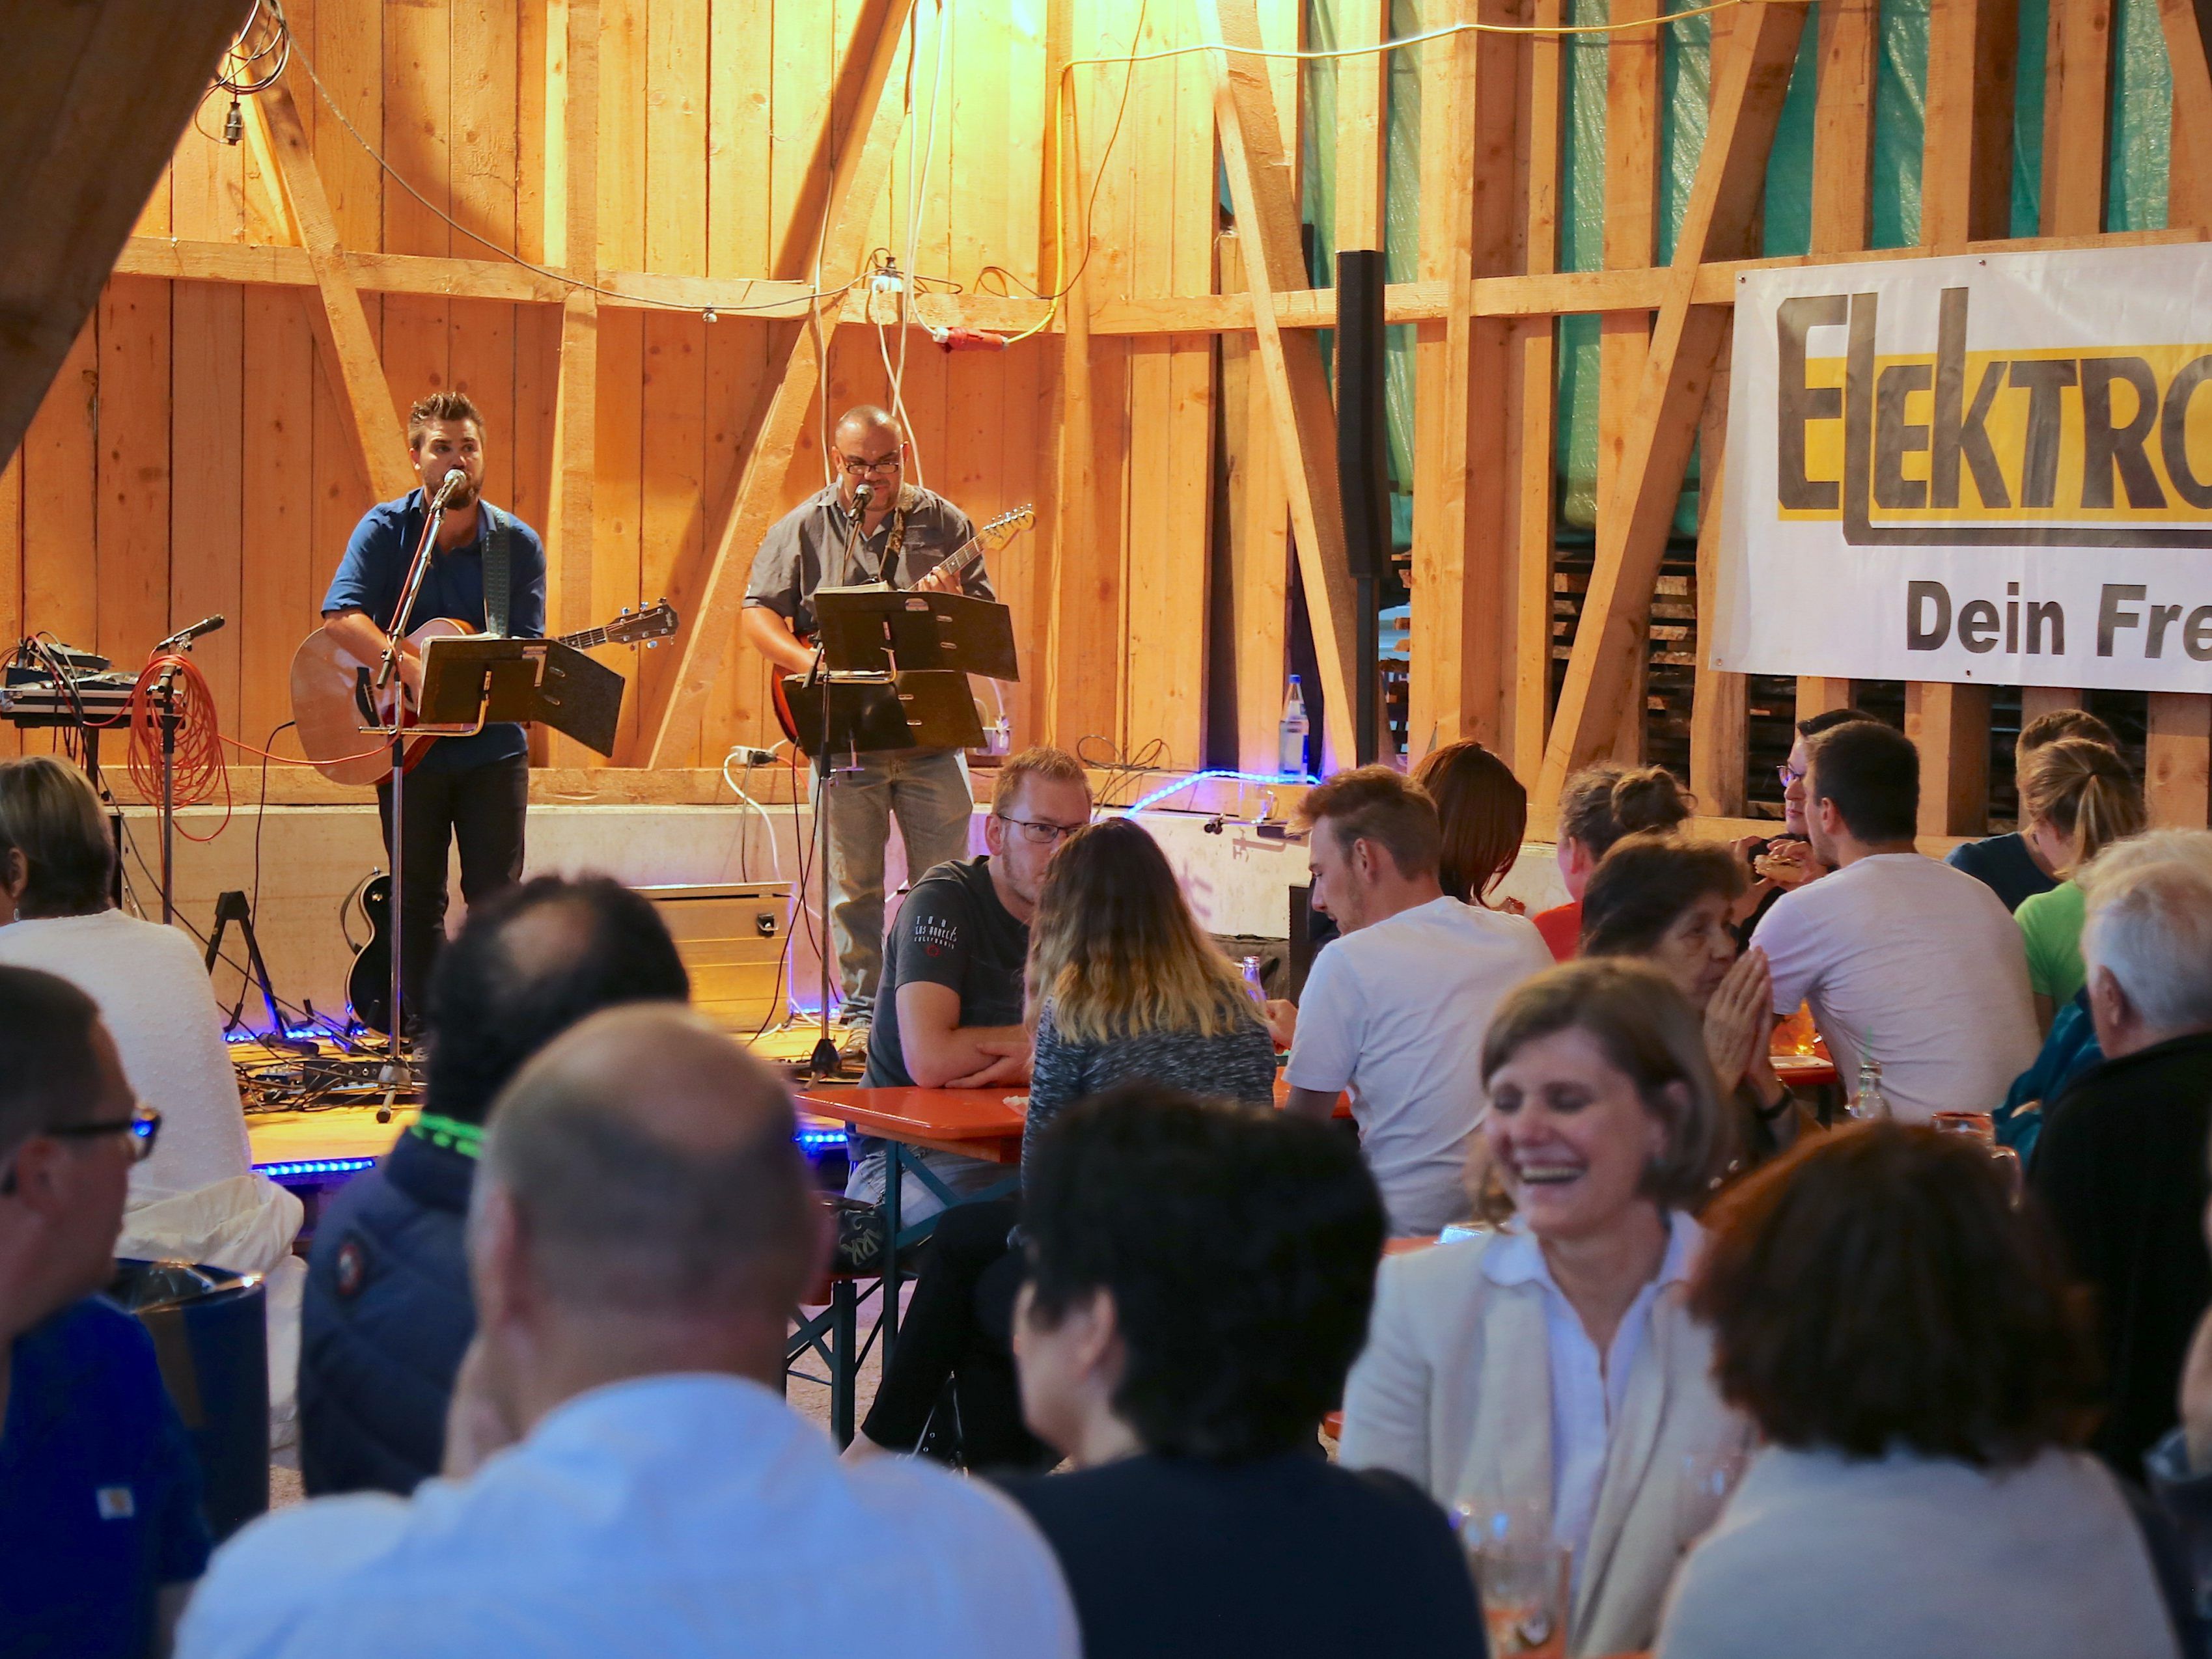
[(2076, 799), (1122, 987)]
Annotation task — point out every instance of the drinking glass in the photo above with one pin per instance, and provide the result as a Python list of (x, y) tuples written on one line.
[(1521, 1573)]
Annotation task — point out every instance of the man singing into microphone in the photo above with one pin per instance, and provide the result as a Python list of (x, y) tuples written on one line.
[(487, 570), (906, 531)]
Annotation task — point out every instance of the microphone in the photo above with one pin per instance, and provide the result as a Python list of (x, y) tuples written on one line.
[(183, 637), (862, 495), (453, 481)]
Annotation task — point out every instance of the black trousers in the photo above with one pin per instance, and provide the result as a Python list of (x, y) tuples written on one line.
[(960, 1326), (481, 808)]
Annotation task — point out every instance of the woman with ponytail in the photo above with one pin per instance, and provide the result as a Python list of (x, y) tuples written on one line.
[(2076, 799), (1598, 807)]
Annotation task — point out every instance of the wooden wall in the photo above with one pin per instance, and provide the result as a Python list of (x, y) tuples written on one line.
[(195, 452)]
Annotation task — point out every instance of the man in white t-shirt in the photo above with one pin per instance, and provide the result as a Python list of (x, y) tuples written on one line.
[(1901, 957), (621, 1477), (1396, 1009)]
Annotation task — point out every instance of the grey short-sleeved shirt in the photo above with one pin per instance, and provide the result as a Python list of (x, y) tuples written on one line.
[(806, 549)]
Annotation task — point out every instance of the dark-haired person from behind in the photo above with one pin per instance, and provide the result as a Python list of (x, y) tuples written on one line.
[(1598, 807), (102, 1536), (2013, 865), (1904, 1336), (1200, 1282), (1901, 958), (387, 1316)]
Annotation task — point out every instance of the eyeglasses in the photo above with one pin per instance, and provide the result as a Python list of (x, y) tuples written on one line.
[(857, 467), (1788, 775), (143, 1126), (1041, 835)]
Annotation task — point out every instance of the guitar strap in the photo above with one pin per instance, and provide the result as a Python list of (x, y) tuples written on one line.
[(498, 591), (887, 573)]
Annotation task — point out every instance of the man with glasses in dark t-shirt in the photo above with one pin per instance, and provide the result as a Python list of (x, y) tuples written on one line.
[(949, 1011)]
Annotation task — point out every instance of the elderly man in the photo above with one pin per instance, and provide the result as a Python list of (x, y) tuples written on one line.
[(100, 1532), (2121, 1164), (621, 1477)]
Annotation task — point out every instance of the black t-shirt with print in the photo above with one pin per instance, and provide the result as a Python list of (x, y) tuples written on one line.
[(952, 930)]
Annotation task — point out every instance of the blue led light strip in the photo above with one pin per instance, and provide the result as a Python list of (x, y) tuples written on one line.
[(809, 1140), (1167, 789)]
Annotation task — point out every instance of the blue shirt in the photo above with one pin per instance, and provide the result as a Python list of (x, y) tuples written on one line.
[(374, 570), (100, 1495), (681, 1514)]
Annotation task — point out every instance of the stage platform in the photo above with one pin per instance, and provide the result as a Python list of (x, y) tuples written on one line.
[(327, 1134)]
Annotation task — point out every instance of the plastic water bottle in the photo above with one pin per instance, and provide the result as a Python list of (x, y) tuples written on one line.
[(1869, 1103), (1253, 983), (1291, 743)]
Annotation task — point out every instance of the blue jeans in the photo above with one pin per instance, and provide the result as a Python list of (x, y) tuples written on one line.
[(927, 790)]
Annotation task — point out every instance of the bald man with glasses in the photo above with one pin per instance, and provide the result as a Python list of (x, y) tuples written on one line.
[(101, 1535), (906, 531)]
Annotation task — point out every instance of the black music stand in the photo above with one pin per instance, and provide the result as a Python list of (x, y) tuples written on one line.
[(891, 672), (469, 682)]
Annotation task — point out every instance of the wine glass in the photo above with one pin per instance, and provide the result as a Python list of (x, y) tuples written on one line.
[(1521, 1572)]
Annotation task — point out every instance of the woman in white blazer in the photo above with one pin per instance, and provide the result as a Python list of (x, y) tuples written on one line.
[(1551, 1365)]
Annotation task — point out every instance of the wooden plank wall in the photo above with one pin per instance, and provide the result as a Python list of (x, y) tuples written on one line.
[(194, 454)]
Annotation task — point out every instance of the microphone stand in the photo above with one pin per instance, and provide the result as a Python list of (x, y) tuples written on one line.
[(824, 1062), (165, 688), (396, 1074)]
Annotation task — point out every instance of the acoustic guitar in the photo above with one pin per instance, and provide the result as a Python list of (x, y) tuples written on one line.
[(334, 692), (797, 709)]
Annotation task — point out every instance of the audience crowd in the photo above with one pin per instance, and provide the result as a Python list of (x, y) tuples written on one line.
[(1497, 1292)]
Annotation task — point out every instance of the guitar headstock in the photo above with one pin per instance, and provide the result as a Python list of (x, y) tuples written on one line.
[(1007, 526), (657, 620)]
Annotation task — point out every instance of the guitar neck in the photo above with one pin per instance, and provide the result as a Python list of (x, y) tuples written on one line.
[(959, 562), (585, 640)]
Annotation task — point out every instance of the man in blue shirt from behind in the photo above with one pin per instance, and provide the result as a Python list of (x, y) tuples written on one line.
[(487, 569), (101, 1535)]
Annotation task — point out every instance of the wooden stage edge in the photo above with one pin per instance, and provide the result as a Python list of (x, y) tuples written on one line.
[(324, 1146)]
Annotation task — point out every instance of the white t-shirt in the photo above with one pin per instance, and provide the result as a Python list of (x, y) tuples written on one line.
[(685, 1514), (1396, 1013), (157, 1003), (1916, 962)]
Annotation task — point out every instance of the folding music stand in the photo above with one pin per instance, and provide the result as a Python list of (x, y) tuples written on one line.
[(469, 682), (891, 672)]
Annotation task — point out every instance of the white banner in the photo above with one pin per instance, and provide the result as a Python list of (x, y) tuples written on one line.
[(1993, 469)]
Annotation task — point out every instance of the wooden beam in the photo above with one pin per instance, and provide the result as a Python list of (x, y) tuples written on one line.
[(1630, 243), (709, 603), (2179, 743), (92, 98), (1842, 195), (1719, 733), (1363, 136), (1531, 414), (1751, 77), (1965, 174), (340, 324), (1259, 539), (571, 197), (1258, 164), (2077, 112), (1950, 726)]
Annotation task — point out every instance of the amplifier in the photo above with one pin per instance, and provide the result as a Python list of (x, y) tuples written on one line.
[(731, 937)]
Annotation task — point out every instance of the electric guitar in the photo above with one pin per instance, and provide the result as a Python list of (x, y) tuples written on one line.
[(799, 710), (334, 692)]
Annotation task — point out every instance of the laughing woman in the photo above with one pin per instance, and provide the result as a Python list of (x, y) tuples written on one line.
[(1552, 1366)]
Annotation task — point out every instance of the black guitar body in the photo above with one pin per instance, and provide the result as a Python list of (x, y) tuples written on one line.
[(369, 983)]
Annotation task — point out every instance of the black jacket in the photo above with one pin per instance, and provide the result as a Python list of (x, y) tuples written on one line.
[(2121, 1169), (385, 1321)]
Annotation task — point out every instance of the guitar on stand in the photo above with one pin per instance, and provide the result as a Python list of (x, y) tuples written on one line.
[(799, 703)]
